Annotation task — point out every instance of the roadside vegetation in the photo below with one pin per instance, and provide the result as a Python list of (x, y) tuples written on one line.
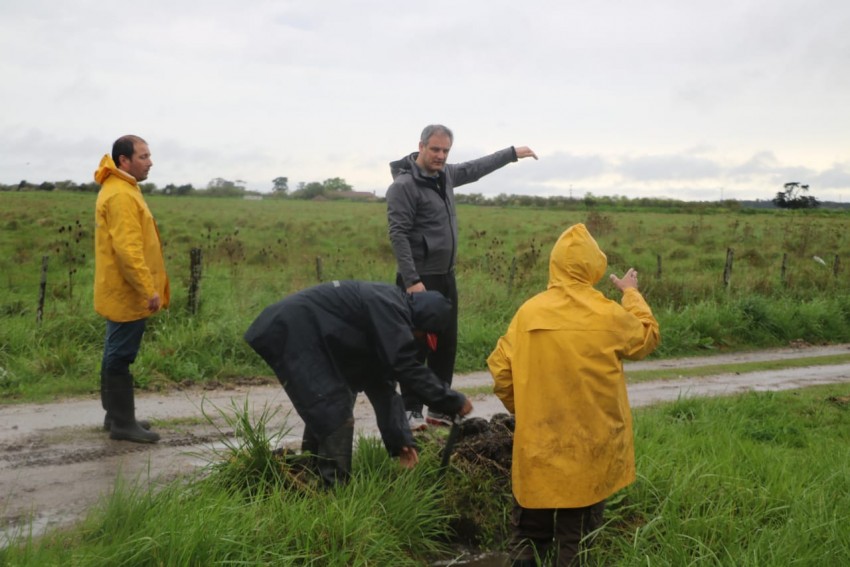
[(761, 480), (717, 279)]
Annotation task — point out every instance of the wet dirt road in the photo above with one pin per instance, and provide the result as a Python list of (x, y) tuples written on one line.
[(56, 461)]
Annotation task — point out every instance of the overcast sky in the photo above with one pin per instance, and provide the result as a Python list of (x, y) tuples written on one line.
[(689, 99)]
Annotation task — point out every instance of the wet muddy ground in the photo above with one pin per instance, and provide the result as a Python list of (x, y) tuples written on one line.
[(56, 461)]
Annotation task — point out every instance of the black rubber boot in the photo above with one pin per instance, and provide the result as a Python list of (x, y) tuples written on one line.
[(107, 419), (119, 398), (107, 422), (334, 455)]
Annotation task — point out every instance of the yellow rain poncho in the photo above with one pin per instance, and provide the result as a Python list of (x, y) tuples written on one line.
[(559, 370), (129, 266)]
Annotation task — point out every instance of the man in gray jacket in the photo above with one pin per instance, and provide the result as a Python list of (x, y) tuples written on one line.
[(423, 233)]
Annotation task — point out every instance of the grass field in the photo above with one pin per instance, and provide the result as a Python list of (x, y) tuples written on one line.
[(255, 252)]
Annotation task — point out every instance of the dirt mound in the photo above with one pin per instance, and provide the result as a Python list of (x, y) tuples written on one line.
[(487, 444), (478, 482)]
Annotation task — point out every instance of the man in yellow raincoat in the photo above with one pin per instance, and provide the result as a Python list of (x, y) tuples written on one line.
[(559, 370), (130, 283)]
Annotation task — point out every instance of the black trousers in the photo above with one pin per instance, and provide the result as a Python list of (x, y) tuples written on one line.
[(332, 454), (551, 535), (441, 361)]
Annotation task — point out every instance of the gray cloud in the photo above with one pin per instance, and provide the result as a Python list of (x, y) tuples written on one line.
[(652, 98)]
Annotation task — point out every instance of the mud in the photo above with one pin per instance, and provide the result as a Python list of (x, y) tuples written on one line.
[(56, 461)]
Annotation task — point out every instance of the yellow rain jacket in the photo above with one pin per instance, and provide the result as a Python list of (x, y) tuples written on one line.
[(129, 267), (559, 370)]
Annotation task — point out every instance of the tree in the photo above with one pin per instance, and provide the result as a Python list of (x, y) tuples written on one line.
[(221, 187), (335, 185), (792, 197), (309, 190), (280, 186), (325, 188)]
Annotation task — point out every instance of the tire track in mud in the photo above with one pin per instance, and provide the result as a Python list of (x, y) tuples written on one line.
[(38, 452)]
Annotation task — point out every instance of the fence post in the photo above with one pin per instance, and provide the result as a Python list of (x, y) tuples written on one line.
[(727, 271), (836, 266), (782, 270), (658, 270), (319, 274), (195, 269), (42, 288)]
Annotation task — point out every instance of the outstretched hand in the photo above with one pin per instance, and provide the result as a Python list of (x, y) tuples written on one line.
[(524, 152), (628, 281)]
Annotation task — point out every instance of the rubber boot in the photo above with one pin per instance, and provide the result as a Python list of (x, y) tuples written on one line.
[(120, 399), (107, 422), (334, 456), (107, 419)]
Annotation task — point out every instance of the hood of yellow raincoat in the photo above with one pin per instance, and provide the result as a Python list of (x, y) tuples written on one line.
[(576, 258), (107, 167)]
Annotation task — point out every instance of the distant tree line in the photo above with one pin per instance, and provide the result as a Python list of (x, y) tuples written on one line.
[(791, 197), (217, 187)]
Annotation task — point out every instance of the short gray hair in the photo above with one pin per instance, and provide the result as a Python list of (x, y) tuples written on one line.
[(433, 129)]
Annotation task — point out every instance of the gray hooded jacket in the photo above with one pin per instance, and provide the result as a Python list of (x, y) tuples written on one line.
[(421, 212)]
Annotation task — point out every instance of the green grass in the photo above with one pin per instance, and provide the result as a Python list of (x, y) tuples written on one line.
[(255, 252), (760, 480)]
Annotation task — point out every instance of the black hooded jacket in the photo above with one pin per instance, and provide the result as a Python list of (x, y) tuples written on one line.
[(334, 338)]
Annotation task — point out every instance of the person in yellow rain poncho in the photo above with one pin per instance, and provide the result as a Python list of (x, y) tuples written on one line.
[(559, 370), (130, 283)]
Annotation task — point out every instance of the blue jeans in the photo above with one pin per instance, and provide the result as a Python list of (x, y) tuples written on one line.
[(121, 346)]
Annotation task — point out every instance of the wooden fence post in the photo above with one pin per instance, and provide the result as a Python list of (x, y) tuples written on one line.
[(319, 274), (782, 269), (42, 288), (658, 270), (836, 266), (727, 271), (195, 269)]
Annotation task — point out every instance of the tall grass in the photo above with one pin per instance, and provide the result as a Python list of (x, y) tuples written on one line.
[(757, 480), (254, 505)]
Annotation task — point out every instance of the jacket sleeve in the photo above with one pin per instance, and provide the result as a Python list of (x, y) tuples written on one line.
[(469, 171), (499, 363), (401, 214), (392, 336), (643, 335), (125, 231)]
